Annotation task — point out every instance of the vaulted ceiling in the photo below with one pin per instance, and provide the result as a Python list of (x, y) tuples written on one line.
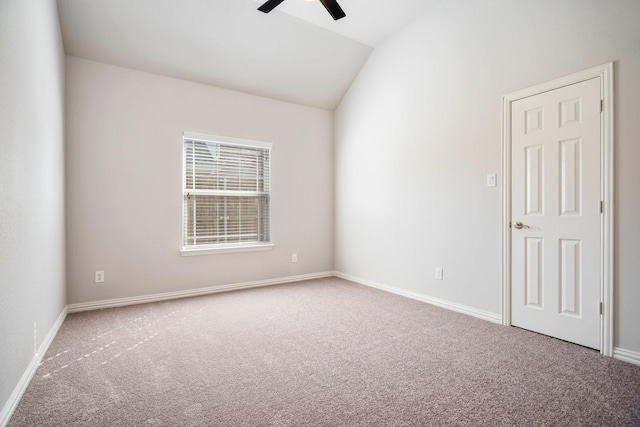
[(296, 53)]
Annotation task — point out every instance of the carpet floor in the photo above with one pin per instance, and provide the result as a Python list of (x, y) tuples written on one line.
[(323, 352)]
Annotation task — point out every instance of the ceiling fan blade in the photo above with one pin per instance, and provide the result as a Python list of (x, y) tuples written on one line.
[(334, 9), (269, 5)]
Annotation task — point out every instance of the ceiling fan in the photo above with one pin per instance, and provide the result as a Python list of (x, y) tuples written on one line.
[(332, 7)]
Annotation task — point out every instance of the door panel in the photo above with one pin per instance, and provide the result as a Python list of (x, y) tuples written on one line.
[(555, 283), (570, 282), (570, 176), (534, 277), (534, 175)]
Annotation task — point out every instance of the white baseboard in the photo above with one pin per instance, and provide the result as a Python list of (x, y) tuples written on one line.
[(12, 403), (118, 302), (626, 355), (459, 308), (618, 353)]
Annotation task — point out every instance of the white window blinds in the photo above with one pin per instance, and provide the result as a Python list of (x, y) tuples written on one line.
[(226, 196)]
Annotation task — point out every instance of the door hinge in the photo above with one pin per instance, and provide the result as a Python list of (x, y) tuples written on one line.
[(601, 105), (601, 308), (601, 206)]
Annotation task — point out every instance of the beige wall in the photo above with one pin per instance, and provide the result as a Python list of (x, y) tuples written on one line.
[(32, 235), (124, 177), (421, 127)]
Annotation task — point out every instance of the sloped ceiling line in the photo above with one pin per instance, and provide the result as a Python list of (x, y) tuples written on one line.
[(296, 53)]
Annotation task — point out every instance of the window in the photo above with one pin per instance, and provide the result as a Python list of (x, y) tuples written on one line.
[(226, 194)]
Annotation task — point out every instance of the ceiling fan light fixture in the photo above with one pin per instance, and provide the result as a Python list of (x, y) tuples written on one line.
[(332, 7)]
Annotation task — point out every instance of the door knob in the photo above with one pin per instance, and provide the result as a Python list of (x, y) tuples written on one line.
[(518, 225)]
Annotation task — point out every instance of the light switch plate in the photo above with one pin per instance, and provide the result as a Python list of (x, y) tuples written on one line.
[(492, 179), (99, 277)]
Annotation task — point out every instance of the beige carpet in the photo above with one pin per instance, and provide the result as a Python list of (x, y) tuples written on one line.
[(324, 353)]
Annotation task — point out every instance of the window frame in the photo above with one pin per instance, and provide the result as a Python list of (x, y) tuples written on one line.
[(220, 248)]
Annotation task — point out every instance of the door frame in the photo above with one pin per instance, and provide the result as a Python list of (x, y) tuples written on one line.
[(605, 72)]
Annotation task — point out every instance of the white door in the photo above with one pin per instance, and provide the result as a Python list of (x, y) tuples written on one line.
[(555, 221)]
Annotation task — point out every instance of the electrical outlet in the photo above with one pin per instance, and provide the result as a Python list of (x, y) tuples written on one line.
[(439, 273), (99, 277), (294, 257)]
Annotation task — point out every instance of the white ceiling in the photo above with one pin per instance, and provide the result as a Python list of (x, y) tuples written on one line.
[(296, 53), (368, 21)]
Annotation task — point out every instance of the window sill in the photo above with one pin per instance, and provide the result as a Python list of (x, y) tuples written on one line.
[(213, 250)]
